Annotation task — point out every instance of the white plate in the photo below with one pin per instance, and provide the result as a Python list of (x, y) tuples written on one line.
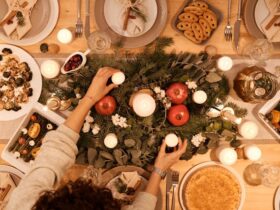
[(11, 170), (261, 12), (113, 11), (43, 18), (204, 165), (277, 199), (36, 83)]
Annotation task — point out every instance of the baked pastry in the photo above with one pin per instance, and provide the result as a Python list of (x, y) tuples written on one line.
[(6, 186), (212, 188)]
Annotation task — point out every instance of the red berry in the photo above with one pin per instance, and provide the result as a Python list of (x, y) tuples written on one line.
[(21, 140)]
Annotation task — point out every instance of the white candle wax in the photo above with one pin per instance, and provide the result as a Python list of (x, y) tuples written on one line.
[(225, 63), (226, 155), (248, 129), (111, 141), (252, 152), (144, 105), (50, 69), (65, 36), (118, 78), (171, 140), (199, 97)]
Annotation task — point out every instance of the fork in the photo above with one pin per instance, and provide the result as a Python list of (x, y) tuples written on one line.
[(228, 28), (175, 181), (79, 24)]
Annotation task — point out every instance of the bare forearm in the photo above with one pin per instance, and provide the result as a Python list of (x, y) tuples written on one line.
[(153, 184), (76, 119)]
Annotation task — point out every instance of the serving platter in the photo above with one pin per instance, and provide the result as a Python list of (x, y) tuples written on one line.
[(44, 17), (36, 83), (132, 42)]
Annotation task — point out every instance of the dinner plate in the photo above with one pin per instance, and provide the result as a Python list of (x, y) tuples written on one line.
[(36, 83), (196, 168), (261, 12), (277, 199), (113, 12), (43, 18), (16, 174), (132, 42)]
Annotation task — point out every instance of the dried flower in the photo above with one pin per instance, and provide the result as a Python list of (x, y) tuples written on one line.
[(119, 121), (198, 139), (86, 127), (95, 129), (191, 84)]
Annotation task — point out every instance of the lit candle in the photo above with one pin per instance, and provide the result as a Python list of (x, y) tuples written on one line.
[(224, 63), (118, 78), (252, 152), (226, 155), (65, 36), (143, 104), (199, 97), (171, 140), (111, 141), (50, 69), (248, 129)]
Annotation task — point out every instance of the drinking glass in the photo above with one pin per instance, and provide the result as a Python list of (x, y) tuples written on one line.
[(99, 42)]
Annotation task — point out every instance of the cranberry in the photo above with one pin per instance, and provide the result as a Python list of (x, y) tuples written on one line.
[(21, 140)]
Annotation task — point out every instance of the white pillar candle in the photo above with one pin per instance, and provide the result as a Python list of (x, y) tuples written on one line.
[(171, 140), (65, 36), (111, 140), (118, 78), (143, 104), (252, 152), (199, 97), (224, 63), (50, 69), (248, 129), (226, 155)]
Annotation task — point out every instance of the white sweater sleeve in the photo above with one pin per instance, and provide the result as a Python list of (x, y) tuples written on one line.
[(57, 154), (143, 201)]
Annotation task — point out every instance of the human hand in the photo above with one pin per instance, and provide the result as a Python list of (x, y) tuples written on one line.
[(165, 160), (98, 88)]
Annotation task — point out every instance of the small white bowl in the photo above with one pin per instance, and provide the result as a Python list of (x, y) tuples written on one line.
[(84, 60)]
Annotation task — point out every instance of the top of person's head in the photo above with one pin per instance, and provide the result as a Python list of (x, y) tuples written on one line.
[(78, 195)]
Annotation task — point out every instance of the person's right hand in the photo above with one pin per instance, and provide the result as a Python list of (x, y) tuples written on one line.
[(165, 160), (98, 88)]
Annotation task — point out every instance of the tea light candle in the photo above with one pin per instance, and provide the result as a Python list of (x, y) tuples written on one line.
[(248, 129), (199, 97), (118, 78), (171, 140), (224, 63), (143, 104), (65, 36), (226, 155), (111, 141), (252, 152), (50, 69)]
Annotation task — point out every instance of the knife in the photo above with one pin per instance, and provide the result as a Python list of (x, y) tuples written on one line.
[(168, 188), (237, 26), (87, 21)]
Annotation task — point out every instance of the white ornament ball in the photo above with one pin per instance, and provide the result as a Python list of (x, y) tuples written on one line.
[(144, 105), (199, 97), (171, 140), (226, 155), (252, 152), (111, 140), (65, 36), (118, 78), (50, 69), (248, 129), (225, 63)]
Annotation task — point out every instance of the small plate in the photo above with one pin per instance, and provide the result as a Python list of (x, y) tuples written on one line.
[(113, 11), (277, 199), (36, 83), (132, 42), (43, 18)]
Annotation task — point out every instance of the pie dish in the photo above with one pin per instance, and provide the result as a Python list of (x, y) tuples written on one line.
[(211, 186)]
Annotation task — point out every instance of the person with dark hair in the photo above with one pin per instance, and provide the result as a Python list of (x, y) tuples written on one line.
[(58, 153)]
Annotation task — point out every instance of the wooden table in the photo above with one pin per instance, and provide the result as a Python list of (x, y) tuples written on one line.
[(257, 198)]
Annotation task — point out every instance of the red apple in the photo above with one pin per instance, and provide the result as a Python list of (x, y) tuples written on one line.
[(106, 106), (178, 115), (177, 92)]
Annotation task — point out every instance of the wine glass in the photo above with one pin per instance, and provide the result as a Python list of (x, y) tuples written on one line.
[(99, 42)]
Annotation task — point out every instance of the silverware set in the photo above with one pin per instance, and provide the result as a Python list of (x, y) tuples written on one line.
[(172, 181), (228, 28), (79, 24)]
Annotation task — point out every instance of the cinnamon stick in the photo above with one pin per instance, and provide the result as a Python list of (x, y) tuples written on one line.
[(127, 15)]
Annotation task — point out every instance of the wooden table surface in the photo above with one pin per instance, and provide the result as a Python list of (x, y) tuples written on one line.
[(257, 198)]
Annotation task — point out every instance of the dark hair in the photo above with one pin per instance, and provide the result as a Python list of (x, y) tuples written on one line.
[(81, 195)]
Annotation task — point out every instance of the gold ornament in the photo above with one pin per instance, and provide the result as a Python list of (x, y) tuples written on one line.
[(65, 104), (53, 103), (34, 130)]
